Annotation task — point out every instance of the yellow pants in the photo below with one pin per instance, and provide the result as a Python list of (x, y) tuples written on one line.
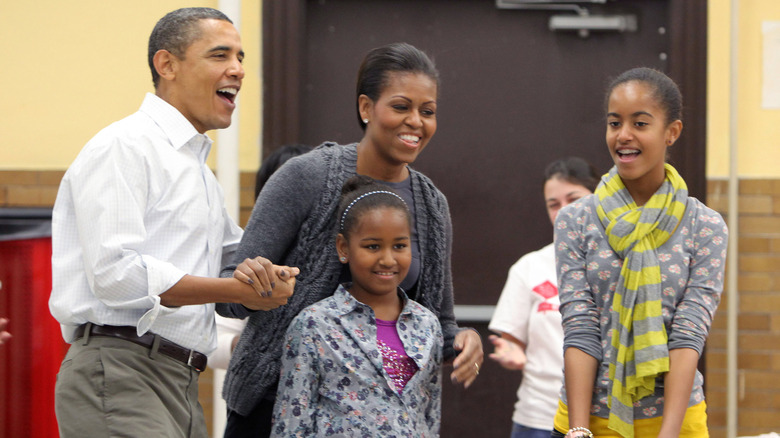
[(694, 424)]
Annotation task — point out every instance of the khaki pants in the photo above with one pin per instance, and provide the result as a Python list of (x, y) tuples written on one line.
[(112, 387)]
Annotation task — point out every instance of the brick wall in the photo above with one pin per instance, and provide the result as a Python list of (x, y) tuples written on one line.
[(21, 188), (247, 196), (759, 313), (38, 188)]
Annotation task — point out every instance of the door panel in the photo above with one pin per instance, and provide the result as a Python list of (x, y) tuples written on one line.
[(514, 96)]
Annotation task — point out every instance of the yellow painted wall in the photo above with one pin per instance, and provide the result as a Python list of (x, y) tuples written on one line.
[(72, 67), (758, 129)]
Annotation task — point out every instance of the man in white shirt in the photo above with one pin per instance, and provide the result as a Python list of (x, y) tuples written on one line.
[(139, 235)]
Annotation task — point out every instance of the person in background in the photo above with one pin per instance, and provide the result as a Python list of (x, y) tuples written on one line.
[(367, 360), (640, 273), (229, 329), (396, 106), (274, 161), (527, 317), (139, 232)]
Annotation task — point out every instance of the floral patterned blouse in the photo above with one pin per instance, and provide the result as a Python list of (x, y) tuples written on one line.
[(692, 264), (333, 382)]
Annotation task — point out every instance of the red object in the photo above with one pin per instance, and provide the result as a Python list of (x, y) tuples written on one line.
[(546, 289), (30, 360)]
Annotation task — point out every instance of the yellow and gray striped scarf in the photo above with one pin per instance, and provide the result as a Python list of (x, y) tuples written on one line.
[(638, 352)]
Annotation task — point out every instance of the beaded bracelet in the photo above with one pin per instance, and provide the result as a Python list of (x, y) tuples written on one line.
[(587, 431)]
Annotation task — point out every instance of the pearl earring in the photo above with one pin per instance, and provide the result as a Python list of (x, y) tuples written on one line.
[(365, 121), (343, 260)]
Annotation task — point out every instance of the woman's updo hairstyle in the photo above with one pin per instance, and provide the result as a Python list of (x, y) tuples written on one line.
[(664, 90), (397, 57), (361, 194), (573, 170)]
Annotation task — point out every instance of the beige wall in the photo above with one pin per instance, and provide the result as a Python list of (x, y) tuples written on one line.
[(71, 68), (759, 129)]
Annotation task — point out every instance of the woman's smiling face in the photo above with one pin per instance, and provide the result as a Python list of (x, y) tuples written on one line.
[(402, 120)]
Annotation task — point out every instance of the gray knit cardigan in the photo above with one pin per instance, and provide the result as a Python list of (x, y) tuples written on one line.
[(293, 223)]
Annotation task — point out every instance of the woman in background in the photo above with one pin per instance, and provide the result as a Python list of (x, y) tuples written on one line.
[(527, 317)]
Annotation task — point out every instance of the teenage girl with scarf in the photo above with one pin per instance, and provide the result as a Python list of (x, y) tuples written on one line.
[(640, 269)]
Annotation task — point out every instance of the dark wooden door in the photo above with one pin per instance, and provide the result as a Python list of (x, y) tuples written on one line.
[(514, 96)]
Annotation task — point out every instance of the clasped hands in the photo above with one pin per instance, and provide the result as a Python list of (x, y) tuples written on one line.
[(272, 284)]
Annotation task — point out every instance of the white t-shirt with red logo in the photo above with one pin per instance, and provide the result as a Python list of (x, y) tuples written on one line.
[(528, 310)]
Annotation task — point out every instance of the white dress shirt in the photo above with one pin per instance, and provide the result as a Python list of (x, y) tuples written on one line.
[(136, 211)]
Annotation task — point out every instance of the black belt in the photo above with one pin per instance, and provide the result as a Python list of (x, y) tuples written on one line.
[(186, 356)]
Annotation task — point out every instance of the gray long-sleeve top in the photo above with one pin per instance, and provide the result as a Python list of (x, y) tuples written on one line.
[(293, 223), (692, 265)]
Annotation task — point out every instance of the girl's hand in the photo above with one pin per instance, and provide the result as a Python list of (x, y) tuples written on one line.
[(469, 361), (507, 353)]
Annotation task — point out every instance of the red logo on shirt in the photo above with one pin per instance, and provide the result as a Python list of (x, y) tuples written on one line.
[(545, 306), (547, 290)]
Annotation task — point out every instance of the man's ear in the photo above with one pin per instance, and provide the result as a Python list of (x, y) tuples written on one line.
[(165, 64)]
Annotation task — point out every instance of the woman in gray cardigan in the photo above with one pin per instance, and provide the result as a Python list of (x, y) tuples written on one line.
[(293, 224)]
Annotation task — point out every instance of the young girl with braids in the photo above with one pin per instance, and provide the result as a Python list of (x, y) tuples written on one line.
[(640, 268), (366, 361)]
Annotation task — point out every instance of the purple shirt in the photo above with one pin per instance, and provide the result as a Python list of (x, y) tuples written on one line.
[(399, 366)]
